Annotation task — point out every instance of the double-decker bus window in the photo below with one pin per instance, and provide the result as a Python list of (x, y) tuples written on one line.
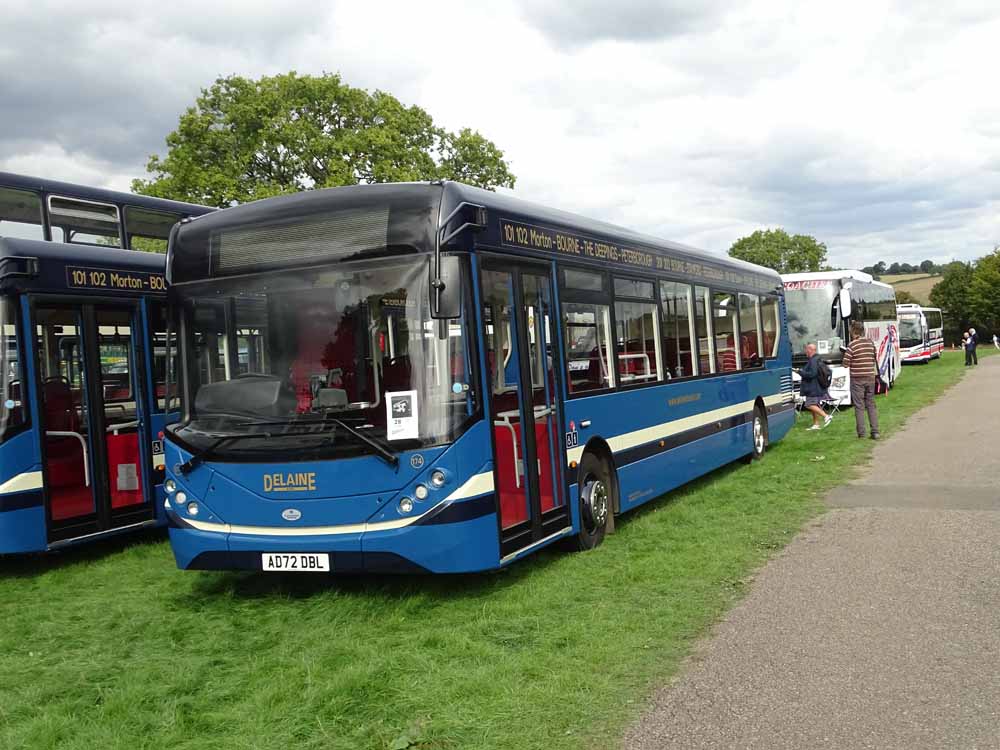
[(164, 347), (21, 214), (703, 330), (751, 348), (148, 230), (675, 306), (638, 332), (588, 344), (84, 222), (114, 348), (770, 315), (12, 410), (724, 331)]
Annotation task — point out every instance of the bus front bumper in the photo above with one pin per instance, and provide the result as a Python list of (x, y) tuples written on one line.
[(463, 541)]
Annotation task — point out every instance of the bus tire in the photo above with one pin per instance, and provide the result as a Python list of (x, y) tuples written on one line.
[(597, 488), (758, 434)]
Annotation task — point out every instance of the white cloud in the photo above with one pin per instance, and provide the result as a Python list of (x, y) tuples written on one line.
[(872, 125)]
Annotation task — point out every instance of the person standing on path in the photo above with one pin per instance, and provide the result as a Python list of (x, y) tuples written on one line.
[(971, 358), (861, 359), (814, 391), (996, 341)]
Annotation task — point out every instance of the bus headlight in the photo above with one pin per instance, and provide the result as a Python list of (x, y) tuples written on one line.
[(170, 486), (193, 508), (405, 505), (438, 478), (420, 491), (180, 498)]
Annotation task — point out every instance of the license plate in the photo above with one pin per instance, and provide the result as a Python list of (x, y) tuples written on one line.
[(296, 562)]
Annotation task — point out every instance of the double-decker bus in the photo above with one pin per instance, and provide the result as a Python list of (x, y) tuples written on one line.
[(921, 333), (41, 209), (434, 377), (821, 305), (82, 361)]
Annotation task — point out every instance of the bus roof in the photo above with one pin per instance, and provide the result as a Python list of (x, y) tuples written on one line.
[(40, 266), (410, 216), (83, 192)]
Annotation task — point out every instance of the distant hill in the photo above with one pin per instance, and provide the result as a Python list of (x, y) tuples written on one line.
[(917, 284)]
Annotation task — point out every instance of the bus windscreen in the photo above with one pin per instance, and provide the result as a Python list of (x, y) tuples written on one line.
[(809, 305)]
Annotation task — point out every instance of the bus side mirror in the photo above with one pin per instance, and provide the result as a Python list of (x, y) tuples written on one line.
[(845, 303), (446, 289)]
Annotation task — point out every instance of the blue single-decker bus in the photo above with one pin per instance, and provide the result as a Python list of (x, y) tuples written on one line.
[(434, 377)]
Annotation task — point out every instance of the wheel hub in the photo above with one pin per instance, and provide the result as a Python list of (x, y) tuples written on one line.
[(758, 435), (596, 504)]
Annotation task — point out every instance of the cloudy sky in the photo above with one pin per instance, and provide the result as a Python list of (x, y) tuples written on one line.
[(874, 126)]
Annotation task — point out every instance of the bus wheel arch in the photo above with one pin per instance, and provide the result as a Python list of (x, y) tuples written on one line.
[(598, 495)]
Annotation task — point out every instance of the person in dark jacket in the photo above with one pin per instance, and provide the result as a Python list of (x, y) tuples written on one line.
[(814, 393), (971, 342)]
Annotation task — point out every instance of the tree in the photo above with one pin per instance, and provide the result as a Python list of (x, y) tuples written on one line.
[(247, 139), (775, 249), (927, 266), (893, 269), (880, 268), (904, 297), (952, 295), (984, 291), (906, 268)]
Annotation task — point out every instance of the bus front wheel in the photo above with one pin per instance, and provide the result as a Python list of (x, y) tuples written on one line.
[(597, 488)]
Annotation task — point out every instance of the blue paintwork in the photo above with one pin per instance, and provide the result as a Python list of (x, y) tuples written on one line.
[(26, 529)]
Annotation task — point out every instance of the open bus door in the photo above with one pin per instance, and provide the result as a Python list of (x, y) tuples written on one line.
[(519, 320), (93, 427)]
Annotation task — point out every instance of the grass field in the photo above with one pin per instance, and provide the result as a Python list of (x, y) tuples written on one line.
[(917, 284), (111, 647)]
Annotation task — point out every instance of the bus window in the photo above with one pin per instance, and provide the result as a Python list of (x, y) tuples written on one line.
[(724, 331), (210, 342), (637, 332), (84, 222), (772, 330), (21, 214), (751, 347), (588, 343), (12, 411), (702, 326), (675, 300), (164, 354), (114, 347), (149, 231)]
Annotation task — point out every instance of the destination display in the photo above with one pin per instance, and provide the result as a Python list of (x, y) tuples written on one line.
[(82, 277), (534, 237)]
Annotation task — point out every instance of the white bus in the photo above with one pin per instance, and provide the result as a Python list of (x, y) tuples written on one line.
[(921, 333), (820, 305)]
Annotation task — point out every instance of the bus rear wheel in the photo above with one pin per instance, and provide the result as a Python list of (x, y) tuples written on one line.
[(597, 488), (759, 435)]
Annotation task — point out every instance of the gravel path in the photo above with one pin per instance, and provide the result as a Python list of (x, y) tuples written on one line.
[(879, 626)]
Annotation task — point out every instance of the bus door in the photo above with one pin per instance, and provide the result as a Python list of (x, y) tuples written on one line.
[(521, 353), (92, 424)]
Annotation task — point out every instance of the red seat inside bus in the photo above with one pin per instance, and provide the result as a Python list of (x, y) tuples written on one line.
[(68, 491), (513, 498)]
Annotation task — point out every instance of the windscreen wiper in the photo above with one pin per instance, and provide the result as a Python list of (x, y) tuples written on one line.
[(205, 452), (382, 451)]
